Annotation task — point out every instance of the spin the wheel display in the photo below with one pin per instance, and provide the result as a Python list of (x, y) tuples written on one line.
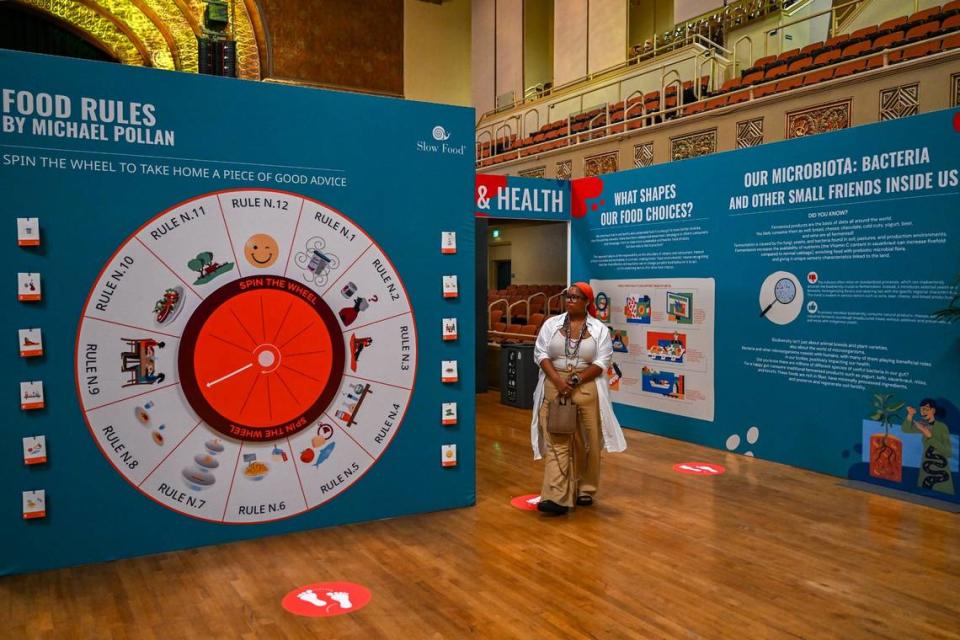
[(246, 356)]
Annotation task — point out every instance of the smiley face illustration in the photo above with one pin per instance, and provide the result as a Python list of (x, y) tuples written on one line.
[(261, 250)]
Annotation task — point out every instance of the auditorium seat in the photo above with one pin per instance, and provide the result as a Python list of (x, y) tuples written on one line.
[(776, 71), (529, 331), (837, 42), (762, 91), (916, 51), (951, 24), (890, 26), (760, 65), (827, 57), (850, 68), (856, 50), (951, 8), (951, 42), (923, 31), (867, 33), (716, 103), (495, 316), (815, 77), (788, 56), (730, 85), (694, 108), (738, 97), (651, 101), (811, 49), (788, 84), (800, 64), (753, 78), (874, 62), (921, 17), (889, 40)]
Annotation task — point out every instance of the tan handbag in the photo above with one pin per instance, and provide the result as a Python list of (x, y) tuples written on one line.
[(562, 416)]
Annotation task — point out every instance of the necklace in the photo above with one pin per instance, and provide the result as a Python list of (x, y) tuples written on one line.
[(571, 347)]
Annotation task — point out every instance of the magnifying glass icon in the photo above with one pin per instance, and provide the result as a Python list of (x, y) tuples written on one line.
[(784, 292)]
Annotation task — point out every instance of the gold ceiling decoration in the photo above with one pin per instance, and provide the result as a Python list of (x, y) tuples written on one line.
[(156, 33)]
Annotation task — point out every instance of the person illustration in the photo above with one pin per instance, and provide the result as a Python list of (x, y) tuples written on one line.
[(936, 448), (357, 345)]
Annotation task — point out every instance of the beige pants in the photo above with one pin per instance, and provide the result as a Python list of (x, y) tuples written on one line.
[(572, 462)]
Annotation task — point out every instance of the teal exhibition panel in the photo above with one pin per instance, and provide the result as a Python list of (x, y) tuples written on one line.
[(788, 301), (241, 309)]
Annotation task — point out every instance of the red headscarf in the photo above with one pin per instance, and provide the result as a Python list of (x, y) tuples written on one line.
[(587, 291)]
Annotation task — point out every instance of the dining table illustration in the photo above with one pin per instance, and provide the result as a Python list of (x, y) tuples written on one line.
[(139, 361)]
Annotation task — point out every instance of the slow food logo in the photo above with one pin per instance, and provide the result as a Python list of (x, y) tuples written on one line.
[(440, 136)]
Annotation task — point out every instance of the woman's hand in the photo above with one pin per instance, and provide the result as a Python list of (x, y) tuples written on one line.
[(563, 387)]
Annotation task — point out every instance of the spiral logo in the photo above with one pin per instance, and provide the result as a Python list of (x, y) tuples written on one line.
[(440, 134)]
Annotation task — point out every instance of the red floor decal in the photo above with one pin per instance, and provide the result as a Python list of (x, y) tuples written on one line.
[(527, 503), (699, 468), (325, 599)]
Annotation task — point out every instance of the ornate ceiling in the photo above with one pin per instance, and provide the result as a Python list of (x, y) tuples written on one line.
[(158, 33)]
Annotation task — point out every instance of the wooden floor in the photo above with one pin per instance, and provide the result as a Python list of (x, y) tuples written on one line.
[(764, 551)]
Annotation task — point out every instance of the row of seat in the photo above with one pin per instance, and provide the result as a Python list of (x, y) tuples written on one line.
[(526, 289), (528, 331), (918, 26), (836, 57), (517, 309), (553, 135), (855, 58)]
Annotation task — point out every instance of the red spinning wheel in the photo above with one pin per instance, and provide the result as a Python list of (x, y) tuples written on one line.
[(261, 358)]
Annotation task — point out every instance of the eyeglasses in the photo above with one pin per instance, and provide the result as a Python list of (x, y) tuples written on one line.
[(575, 298)]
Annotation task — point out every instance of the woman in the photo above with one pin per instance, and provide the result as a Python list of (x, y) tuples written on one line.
[(573, 351)]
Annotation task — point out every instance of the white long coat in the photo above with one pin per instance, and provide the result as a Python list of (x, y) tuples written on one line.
[(613, 439)]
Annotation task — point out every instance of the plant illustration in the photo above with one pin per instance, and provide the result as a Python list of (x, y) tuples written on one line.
[(886, 410), (199, 264)]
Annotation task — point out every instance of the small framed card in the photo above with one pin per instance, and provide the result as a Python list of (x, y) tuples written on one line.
[(34, 504), (448, 455), (449, 414), (449, 371), (448, 242), (28, 287), (28, 232), (31, 395), (449, 328), (613, 376), (35, 450), (31, 343), (450, 287)]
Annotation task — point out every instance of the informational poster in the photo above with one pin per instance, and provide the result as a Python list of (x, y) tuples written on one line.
[(824, 269), (240, 323), (663, 350)]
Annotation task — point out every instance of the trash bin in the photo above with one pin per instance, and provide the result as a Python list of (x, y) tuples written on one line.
[(518, 375)]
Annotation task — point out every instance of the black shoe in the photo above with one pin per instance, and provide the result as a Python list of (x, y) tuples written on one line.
[(549, 506), (584, 501)]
